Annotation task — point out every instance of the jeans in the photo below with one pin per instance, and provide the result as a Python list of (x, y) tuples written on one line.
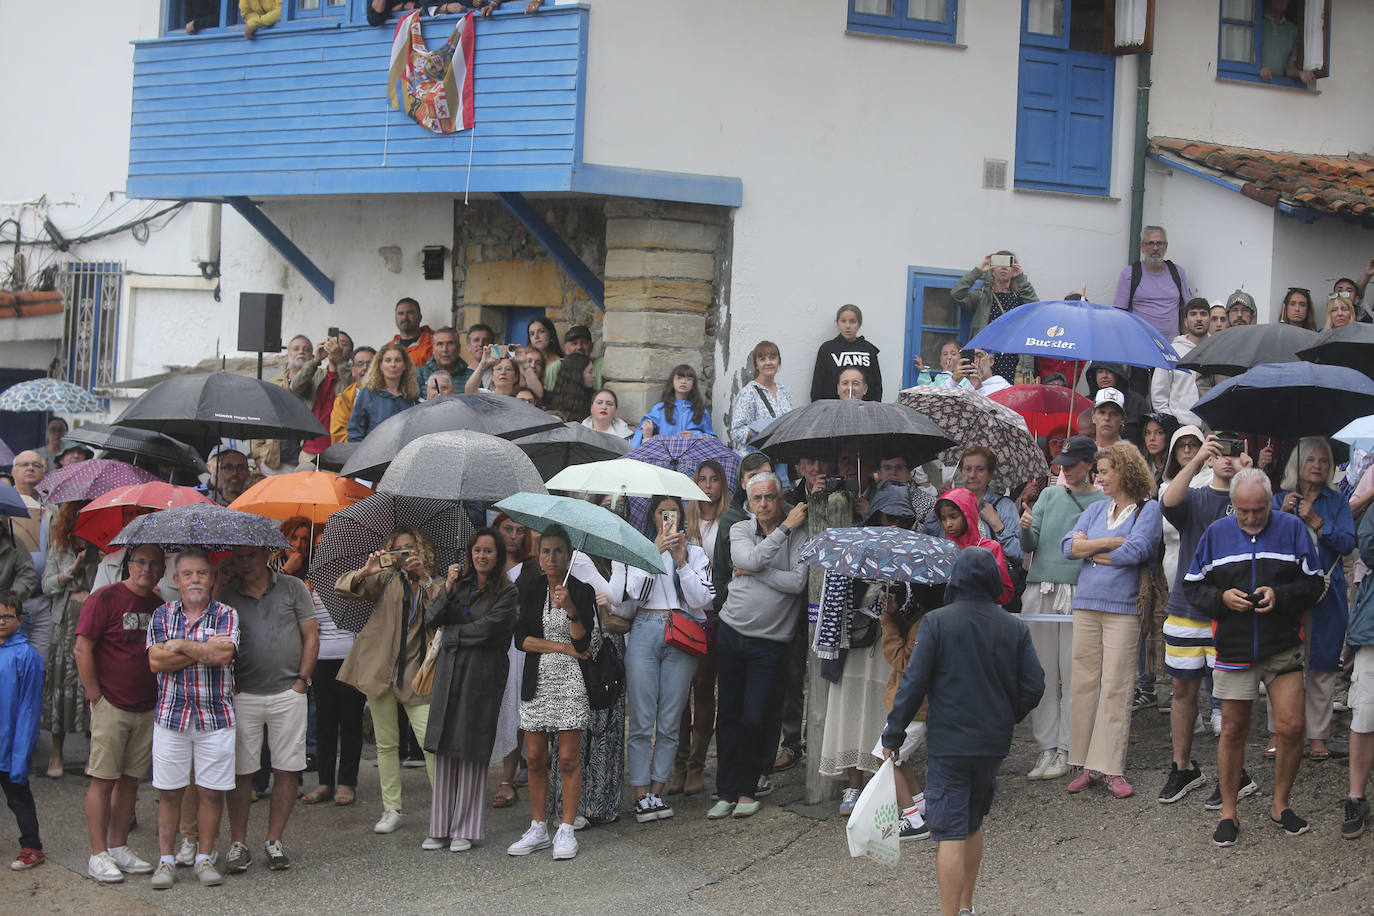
[(20, 800), (658, 678), (748, 681), (1145, 682)]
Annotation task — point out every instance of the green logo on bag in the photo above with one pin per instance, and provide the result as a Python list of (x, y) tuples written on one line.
[(885, 819)]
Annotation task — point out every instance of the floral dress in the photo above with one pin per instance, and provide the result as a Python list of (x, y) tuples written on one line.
[(560, 699), (64, 699)]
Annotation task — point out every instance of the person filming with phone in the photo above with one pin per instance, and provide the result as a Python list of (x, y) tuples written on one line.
[(399, 581), (1004, 288), (1256, 573)]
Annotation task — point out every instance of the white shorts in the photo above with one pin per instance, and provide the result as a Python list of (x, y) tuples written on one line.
[(915, 737), (283, 715), (1362, 691), (212, 754)]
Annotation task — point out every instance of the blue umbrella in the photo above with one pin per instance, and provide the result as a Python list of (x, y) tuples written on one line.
[(11, 503), (1288, 400), (202, 525), (886, 554), (1358, 433), (591, 528), (50, 394), (6, 454), (1079, 330)]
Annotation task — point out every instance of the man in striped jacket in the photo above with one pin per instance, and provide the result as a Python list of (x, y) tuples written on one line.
[(1256, 573)]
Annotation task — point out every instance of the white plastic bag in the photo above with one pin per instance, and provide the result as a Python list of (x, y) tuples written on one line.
[(874, 825)]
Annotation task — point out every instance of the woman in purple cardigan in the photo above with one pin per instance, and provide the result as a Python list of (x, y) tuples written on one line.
[(1115, 538)]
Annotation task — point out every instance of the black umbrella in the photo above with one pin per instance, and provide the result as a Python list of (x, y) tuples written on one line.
[(1351, 346), (493, 414), (1234, 350), (203, 407), (820, 428), (559, 447), (356, 531), (336, 456), (131, 444), (1288, 400), (202, 525)]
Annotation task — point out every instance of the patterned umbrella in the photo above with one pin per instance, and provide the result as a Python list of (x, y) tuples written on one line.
[(49, 395), (463, 465), (591, 528), (107, 515), (887, 554), (203, 525), (89, 479), (682, 453), (493, 414), (554, 449), (353, 533), (969, 419), (313, 494)]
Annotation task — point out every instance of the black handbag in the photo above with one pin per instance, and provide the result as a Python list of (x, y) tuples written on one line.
[(604, 672)]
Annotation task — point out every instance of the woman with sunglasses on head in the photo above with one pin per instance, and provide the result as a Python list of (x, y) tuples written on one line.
[(682, 408), (1297, 309)]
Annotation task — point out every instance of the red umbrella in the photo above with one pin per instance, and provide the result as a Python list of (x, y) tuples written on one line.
[(107, 515), (1045, 407)]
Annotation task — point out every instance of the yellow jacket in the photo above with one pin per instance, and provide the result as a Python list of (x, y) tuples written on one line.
[(343, 411), (257, 14)]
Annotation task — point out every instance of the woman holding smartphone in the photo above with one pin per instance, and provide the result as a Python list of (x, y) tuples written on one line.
[(658, 675), (1004, 288)]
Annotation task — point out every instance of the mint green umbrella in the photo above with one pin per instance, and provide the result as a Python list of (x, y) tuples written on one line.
[(592, 529)]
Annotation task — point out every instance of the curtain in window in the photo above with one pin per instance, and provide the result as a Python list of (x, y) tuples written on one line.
[(929, 10), (1045, 17), (1238, 43), (1313, 32), (1131, 19), (873, 7)]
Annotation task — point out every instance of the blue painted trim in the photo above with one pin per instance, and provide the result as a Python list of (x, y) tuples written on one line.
[(1195, 170), (900, 24), (617, 181), (567, 259), (916, 279), (279, 240)]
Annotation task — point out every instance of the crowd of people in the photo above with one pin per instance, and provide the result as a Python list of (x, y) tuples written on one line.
[(1155, 548)]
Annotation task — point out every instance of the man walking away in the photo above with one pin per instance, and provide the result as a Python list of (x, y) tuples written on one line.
[(977, 665)]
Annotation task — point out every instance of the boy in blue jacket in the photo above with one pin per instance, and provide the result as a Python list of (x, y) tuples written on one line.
[(21, 699)]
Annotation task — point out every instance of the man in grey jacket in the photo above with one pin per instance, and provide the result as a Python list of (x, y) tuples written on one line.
[(752, 632), (977, 665)]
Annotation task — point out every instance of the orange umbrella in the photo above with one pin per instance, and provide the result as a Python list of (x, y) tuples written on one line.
[(313, 494)]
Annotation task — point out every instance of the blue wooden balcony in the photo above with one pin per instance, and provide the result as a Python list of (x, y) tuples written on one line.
[(302, 110)]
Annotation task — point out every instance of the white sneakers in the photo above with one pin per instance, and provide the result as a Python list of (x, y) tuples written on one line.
[(1051, 765), (1038, 771), (102, 868), (129, 863), (534, 839), (564, 841), (186, 853), (390, 820), (1216, 723), (459, 844), (432, 843)]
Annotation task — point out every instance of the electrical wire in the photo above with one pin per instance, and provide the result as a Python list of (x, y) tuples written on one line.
[(140, 221)]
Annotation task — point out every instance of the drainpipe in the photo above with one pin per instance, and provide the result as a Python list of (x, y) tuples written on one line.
[(1142, 143)]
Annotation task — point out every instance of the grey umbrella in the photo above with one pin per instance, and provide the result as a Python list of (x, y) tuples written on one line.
[(463, 465), (554, 449), (493, 414), (202, 525), (821, 427), (1236, 350)]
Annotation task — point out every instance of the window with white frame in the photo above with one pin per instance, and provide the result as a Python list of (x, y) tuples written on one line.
[(933, 20)]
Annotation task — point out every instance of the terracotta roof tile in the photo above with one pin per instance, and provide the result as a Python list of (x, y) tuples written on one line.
[(1329, 184)]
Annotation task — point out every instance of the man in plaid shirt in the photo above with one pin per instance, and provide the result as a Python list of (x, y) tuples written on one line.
[(191, 646)]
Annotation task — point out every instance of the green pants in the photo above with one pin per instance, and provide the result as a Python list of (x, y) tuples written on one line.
[(386, 727)]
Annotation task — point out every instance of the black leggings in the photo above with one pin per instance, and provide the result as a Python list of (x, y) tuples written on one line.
[(338, 725)]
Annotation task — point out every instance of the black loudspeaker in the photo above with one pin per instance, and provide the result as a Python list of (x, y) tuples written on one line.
[(260, 322)]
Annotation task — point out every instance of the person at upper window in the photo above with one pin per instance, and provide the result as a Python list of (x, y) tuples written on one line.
[(258, 14), (200, 14), (845, 349), (1004, 288), (1279, 45), (1174, 391), (1154, 288), (1240, 308), (1297, 309), (1339, 313), (379, 11), (417, 338), (681, 409)]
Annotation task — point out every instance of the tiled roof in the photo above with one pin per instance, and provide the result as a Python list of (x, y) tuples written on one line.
[(1340, 185)]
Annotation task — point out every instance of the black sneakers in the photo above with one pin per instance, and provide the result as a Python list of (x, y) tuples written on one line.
[(1290, 822), (1248, 787), (910, 831), (1354, 817), (1143, 699), (1226, 833), (1180, 783)]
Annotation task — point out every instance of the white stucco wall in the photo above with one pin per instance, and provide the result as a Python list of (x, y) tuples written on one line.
[(1188, 100), (1315, 255), (859, 157)]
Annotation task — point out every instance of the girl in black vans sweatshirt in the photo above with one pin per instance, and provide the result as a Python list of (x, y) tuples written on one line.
[(846, 350)]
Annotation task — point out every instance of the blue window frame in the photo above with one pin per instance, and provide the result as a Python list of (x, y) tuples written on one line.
[(932, 317), (1065, 101), (1240, 34), (225, 13), (317, 9), (933, 20)]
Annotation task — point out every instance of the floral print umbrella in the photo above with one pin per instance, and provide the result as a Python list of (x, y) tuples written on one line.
[(49, 395), (89, 479), (885, 554), (971, 419)]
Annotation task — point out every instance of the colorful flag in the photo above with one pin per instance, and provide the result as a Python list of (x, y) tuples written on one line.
[(435, 86)]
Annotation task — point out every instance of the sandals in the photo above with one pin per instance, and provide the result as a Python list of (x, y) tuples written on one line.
[(343, 796), (317, 795), (502, 800)]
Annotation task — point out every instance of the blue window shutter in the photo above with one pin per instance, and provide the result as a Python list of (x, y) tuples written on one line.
[(1040, 115), (1091, 82), (1065, 102)]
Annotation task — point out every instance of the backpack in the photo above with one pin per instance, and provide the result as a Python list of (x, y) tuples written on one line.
[(1137, 271)]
